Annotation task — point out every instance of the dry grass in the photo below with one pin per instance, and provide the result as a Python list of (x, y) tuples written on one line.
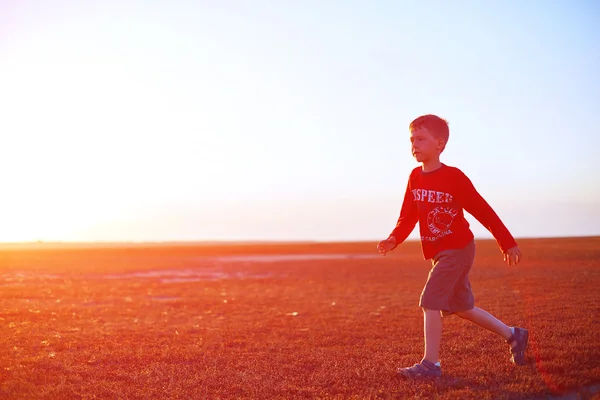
[(71, 328)]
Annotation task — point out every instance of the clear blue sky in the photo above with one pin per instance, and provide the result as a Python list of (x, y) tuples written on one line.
[(287, 120)]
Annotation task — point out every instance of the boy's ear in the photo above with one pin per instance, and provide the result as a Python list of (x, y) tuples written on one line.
[(441, 144)]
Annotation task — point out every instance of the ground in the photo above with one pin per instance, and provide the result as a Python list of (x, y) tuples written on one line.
[(267, 321)]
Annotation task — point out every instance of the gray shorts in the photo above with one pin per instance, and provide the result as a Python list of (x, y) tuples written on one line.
[(448, 288)]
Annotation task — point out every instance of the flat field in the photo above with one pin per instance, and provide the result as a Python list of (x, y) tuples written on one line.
[(283, 321)]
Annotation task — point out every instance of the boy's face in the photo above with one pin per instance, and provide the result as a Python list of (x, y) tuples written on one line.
[(424, 145)]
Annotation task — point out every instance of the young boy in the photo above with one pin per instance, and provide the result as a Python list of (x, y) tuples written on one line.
[(436, 196)]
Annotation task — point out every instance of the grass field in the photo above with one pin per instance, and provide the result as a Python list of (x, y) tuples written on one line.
[(287, 321)]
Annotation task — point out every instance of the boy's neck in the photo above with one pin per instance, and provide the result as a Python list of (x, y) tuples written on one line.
[(431, 165)]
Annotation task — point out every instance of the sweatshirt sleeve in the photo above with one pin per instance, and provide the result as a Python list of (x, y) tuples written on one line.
[(409, 216), (476, 205)]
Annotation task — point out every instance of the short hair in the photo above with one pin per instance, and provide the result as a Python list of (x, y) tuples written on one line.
[(437, 126)]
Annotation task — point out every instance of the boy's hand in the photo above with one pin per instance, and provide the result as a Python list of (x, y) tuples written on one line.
[(512, 255), (386, 245)]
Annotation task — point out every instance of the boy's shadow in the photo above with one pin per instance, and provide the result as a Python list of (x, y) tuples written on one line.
[(449, 383)]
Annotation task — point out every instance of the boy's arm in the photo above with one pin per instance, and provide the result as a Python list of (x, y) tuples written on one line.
[(476, 205), (409, 216)]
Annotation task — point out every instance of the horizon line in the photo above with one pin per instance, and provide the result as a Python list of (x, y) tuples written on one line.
[(250, 242)]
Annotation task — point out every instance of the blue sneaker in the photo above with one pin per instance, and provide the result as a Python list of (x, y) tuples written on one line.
[(521, 336), (424, 369)]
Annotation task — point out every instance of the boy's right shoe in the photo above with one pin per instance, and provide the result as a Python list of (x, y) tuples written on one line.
[(521, 336)]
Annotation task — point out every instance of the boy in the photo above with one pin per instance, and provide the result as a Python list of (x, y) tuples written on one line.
[(435, 196)]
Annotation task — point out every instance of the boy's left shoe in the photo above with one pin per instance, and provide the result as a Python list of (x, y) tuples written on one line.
[(521, 336), (424, 369)]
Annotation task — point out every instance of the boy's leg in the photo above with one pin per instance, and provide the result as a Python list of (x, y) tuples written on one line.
[(517, 338), (429, 366), (487, 321), (435, 297), (432, 326), (450, 271)]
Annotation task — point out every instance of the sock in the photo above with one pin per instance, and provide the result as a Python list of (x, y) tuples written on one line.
[(512, 332)]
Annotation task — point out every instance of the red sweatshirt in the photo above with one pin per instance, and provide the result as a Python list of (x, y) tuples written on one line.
[(436, 200)]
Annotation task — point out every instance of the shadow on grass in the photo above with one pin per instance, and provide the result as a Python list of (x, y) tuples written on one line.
[(454, 384)]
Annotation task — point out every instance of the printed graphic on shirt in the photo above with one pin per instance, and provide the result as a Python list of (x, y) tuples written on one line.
[(439, 220)]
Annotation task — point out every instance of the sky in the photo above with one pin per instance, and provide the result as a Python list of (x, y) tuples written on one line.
[(287, 120)]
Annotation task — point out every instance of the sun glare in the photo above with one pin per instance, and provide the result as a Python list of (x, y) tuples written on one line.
[(90, 142)]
